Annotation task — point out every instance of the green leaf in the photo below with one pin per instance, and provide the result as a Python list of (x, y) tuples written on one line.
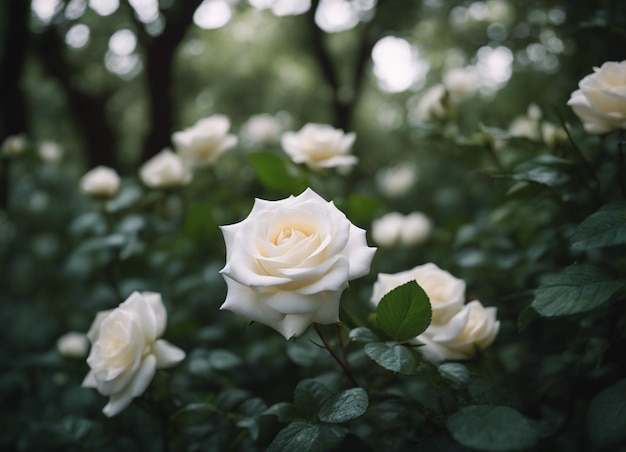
[(578, 288), (454, 372), (606, 418), (199, 223), (344, 406), (404, 312), (392, 356), (284, 411), (606, 227), (363, 334), (363, 209), (303, 437), (223, 359), (101, 243), (544, 170), (309, 396), (194, 413), (274, 173), (527, 316), (486, 427)]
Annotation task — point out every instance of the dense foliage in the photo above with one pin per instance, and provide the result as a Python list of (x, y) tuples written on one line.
[(489, 173)]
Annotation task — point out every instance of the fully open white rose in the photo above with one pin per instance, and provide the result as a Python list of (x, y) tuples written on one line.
[(166, 169), (474, 327), (289, 261), (100, 181), (600, 101), (320, 146), (202, 143), (126, 349), (446, 293)]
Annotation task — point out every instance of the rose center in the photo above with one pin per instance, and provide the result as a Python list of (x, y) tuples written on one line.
[(289, 235)]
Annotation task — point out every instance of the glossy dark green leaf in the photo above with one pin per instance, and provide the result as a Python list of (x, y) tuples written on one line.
[(344, 406), (456, 373), (404, 312), (606, 418), (304, 437), (486, 427), (578, 288), (363, 334), (392, 356), (606, 227), (194, 413), (309, 396)]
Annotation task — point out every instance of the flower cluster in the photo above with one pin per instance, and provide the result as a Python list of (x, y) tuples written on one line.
[(396, 228), (457, 329)]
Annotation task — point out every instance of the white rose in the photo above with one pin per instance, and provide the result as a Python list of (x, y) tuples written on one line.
[(202, 143), (100, 181), (432, 105), (473, 327), (386, 230), (460, 83), (262, 128), (50, 152), (126, 349), (396, 181), (600, 101), (446, 293), (416, 229), (320, 146), (166, 169), (553, 135), (73, 345), (14, 145), (289, 261)]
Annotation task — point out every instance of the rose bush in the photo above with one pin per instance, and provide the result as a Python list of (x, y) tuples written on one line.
[(101, 181), (201, 144), (320, 146), (289, 261), (126, 349), (600, 101), (166, 169)]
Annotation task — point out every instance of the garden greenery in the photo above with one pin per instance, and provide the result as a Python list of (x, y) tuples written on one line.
[(292, 285)]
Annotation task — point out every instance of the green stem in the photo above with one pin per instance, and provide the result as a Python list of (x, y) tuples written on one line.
[(343, 363)]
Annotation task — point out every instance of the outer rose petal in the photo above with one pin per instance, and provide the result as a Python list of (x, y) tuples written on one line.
[(166, 354), (135, 388)]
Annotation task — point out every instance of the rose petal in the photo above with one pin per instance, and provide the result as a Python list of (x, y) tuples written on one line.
[(166, 354)]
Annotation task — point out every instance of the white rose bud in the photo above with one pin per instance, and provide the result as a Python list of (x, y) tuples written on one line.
[(165, 170), (397, 180), (126, 349), (320, 146), (446, 293), (50, 152), (416, 229), (101, 181), (73, 345), (473, 327), (14, 145), (289, 261), (386, 229), (201, 144), (600, 101)]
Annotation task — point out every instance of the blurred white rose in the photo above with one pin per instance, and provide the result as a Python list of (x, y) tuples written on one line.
[(460, 83), (261, 129), (126, 349), (50, 152), (101, 181), (397, 180), (164, 170), (320, 146), (394, 228), (446, 293), (73, 345), (201, 144), (553, 135), (473, 327), (14, 145), (600, 101), (416, 229), (386, 229), (289, 261), (432, 105)]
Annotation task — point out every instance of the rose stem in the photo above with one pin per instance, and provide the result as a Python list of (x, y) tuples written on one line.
[(579, 153), (344, 365)]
